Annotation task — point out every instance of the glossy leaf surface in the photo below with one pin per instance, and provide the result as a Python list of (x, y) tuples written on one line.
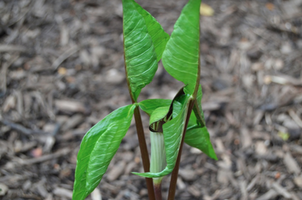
[(181, 56), (139, 46), (159, 113), (157, 33), (149, 105), (98, 147)]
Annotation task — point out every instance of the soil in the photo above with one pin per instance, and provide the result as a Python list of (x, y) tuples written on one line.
[(62, 71)]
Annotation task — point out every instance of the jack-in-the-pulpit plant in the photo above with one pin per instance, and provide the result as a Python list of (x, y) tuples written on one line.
[(172, 122)]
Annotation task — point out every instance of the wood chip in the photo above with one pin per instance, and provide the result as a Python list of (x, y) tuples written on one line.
[(41, 190), (69, 59), (242, 185), (9, 48), (282, 191), (291, 164), (10, 103), (180, 184), (73, 122), (130, 167), (62, 192), (21, 128), (271, 194), (252, 183), (64, 56), (113, 76), (298, 181), (116, 171), (295, 117), (96, 194), (70, 106), (187, 174), (194, 191), (57, 154), (223, 177), (245, 137), (219, 145), (260, 148)]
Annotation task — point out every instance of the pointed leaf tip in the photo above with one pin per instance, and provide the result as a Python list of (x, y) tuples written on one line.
[(144, 42), (155, 30), (197, 134), (200, 139), (181, 56)]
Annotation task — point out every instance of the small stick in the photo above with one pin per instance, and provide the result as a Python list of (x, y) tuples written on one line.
[(11, 48), (31, 161), (21, 128), (5, 67), (295, 117)]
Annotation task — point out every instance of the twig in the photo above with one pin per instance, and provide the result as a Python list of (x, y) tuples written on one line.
[(21, 128), (22, 162), (64, 56), (282, 80), (44, 158), (10, 48), (5, 67), (295, 117)]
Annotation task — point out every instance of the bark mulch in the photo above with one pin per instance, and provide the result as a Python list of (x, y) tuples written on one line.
[(62, 70)]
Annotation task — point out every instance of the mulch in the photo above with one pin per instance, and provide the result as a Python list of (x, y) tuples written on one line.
[(62, 71)]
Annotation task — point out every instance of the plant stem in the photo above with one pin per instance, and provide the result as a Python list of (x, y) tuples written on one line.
[(157, 190), (174, 175), (144, 151), (158, 160)]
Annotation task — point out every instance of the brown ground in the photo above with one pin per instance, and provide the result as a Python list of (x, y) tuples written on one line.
[(62, 71)]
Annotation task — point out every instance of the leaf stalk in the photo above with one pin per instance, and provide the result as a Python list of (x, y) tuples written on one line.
[(157, 190), (144, 151)]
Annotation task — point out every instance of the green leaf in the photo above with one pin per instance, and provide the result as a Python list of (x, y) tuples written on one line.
[(197, 117), (198, 108), (149, 105), (98, 147), (142, 46), (157, 33), (173, 131), (200, 139), (193, 122), (197, 134), (172, 111), (181, 56), (159, 113)]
